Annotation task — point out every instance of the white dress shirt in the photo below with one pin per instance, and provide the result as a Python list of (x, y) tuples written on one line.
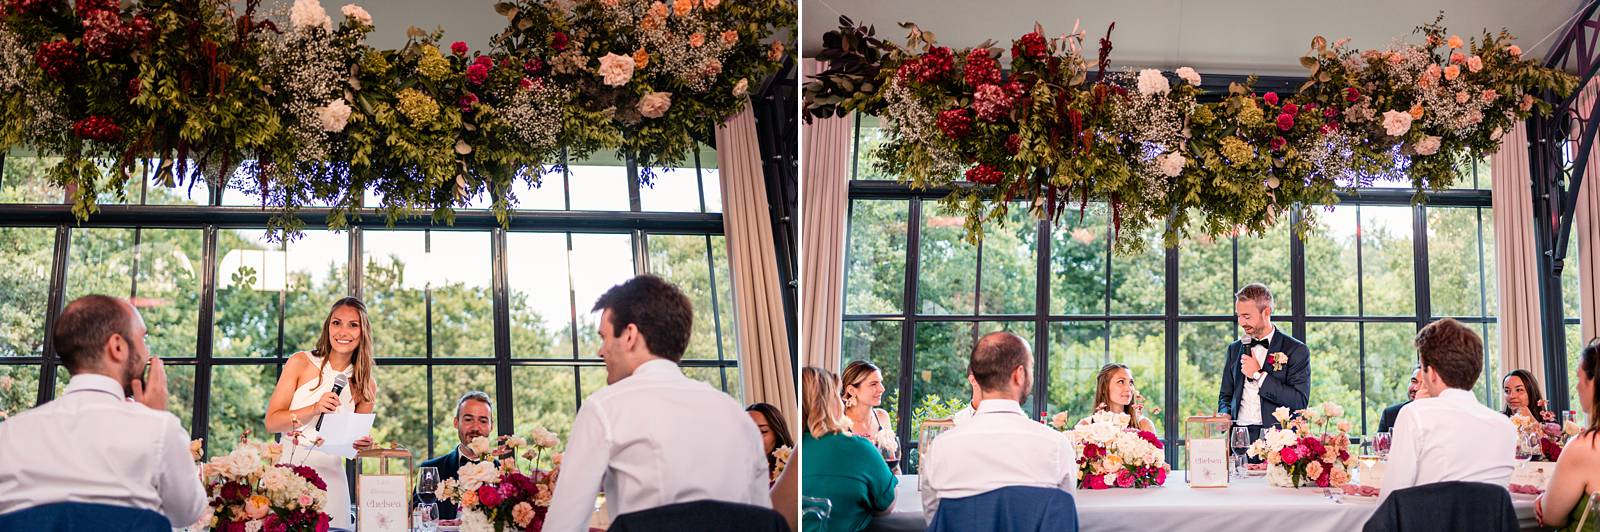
[(657, 438), (1449, 437), (1250, 397), (998, 447), (962, 416), (92, 445)]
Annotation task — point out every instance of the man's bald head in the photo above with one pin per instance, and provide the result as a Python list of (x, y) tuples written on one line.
[(996, 357)]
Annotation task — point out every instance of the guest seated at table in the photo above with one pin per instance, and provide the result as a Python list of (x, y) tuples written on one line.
[(1451, 436), (1413, 392), (1578, 470), (774, 433), (474, 418), (654, 437), (863, 392), (844, 469), (965, 413), (1114, 392), (1523, 396), (93, 445), (999, 446)]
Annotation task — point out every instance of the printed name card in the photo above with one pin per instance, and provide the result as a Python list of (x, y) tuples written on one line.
[(385, 504), (1208, 463), (1536, 474)]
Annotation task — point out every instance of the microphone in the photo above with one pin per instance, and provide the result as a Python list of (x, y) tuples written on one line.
[(338, 386)]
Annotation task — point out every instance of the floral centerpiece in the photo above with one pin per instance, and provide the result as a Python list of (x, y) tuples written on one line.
[(1112, 455), (1296, 455), (1542, 440), (780, 458), (250, 491), (496, 495), (1045, 123)]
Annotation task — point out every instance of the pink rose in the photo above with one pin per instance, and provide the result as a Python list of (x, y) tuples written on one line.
[(655, 104), (1124, 479), (489, 496), (1271, 98), (1474, 64), (1291, 108), (1286, 121), (477, 74), (459, 48), (616, 69)]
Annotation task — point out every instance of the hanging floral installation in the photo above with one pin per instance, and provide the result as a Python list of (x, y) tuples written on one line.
[(1060, 129), (299, 111)]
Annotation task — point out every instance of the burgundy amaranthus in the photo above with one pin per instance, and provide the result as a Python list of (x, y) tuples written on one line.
[(97, 128), (57, 58)]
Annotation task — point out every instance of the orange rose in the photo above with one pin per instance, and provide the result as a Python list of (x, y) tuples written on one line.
[(640, 58), (1454, 42), (682, 7), (1416, 111)]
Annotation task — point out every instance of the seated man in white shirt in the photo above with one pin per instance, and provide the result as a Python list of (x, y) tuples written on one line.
[(654, 437), (964, 414), (999, 446), (59, 451), (1449, 436)]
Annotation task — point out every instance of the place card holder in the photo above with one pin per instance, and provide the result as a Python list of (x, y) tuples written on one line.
[(1207, 441), (383, 497)]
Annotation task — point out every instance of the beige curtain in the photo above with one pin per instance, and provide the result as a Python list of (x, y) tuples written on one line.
[(765, 368), (1516, 263), (1586, 233), (825, 201)]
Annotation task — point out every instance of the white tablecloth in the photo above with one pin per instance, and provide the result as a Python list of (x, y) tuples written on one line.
[(1249, 504)]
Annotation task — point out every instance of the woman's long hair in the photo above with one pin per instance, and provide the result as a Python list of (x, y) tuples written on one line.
[(1102, 388), (824, 410), (779, 428), (361, 385), (1535, 395), (1589, 364)]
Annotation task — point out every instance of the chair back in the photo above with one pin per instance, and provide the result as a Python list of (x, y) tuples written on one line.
[(1445, 506), (705, 516), (1009, 509), (84, 517), (814, 513)]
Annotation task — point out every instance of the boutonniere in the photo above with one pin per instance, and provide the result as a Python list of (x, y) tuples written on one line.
[(1278, 360)]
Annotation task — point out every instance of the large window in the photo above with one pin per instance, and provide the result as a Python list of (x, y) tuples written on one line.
[(452, 309), (1359, 283)]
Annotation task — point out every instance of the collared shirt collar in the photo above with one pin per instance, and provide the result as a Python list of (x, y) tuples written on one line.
[(1268, 339), (658, 366), (1457, 394), (95, 382), (999, 405)]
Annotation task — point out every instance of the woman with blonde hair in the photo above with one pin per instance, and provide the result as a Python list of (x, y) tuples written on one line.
[(1114, 392), (839, 467), (305, 392), (862, 393)]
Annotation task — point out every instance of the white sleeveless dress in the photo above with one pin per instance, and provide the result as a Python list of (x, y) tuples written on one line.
[(330, 467)]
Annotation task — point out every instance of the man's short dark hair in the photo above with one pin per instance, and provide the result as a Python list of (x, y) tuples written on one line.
[(84, 326), (473, 396), (994, 357), (1453, 351), (660, 310)]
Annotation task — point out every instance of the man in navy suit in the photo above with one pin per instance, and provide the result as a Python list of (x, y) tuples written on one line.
[(474, 418), (1264, 370)]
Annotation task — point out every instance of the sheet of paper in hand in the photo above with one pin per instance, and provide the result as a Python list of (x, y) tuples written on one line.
[(341, 430)]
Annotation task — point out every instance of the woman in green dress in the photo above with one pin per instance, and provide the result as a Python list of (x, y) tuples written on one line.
[(843, 468), (1578, 470)]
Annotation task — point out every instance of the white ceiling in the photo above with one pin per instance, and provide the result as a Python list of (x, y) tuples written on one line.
[(1220, 36)]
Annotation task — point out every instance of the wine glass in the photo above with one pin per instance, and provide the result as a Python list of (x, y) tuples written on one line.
[(1239, 440), (427, 483), (1380, 444), (427, 517)]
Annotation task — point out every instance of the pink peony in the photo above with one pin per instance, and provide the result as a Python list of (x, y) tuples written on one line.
[(1124, 479), (489, 496)]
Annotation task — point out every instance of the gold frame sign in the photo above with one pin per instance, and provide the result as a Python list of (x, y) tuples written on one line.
[(383, 498)]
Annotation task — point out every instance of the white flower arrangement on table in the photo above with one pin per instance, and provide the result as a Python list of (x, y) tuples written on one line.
[(1112, 455), (496, 495), (248, 488), (1295, 455)]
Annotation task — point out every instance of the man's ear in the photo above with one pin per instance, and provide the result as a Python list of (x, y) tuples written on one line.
[(116, 349)]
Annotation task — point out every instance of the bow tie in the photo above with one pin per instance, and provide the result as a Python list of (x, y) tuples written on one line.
[(1252, 343)]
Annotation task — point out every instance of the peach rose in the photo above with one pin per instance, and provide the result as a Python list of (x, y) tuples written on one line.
[(655, 104), (682, 7), (1514, 50), (697, 39), (1474, 64), (1452, 72), (730, 37), (1454, 41), (256, 507)]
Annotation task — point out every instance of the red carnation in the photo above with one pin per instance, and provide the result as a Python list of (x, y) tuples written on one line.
[(1092, 451), (1552, 451), (467, 100), (489, 496), (57, 58), (1124, 479), (309, 474), (1271, 98), (1032, 46), (981, 68), (476, 74), (1351, 94), (558, 41), (1314, 445), (955, 123), (1286, 121), (1291, 108), (97, 128), (985, 174), (1322, 480)]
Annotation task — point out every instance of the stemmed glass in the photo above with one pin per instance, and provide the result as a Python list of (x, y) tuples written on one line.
[(1380, 444), (427, 510), (1239, 440)]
